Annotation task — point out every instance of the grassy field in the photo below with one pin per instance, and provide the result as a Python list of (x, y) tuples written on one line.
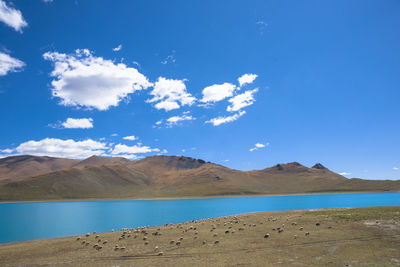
[(332, 237)]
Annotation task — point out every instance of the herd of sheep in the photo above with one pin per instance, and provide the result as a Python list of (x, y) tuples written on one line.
[(189, 231)]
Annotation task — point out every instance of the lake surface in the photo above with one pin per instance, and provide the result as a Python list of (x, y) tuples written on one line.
[(39, 220)]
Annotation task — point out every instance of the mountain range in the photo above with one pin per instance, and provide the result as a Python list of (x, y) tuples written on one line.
[(47, 178)]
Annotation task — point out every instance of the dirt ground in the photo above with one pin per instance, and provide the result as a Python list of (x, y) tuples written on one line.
[(331, 237)]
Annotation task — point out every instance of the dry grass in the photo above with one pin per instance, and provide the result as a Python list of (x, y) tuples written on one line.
[(352, 237)]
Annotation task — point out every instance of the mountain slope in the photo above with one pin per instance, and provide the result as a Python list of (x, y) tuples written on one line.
[(171, 176), (12, 168)]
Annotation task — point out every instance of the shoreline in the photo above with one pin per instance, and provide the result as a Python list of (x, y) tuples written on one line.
[(192, 197), (204, 219)]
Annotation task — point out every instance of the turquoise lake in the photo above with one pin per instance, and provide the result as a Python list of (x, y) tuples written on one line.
[(39, 220)]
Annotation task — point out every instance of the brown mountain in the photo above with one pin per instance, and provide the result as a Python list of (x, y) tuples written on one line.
[(173, 176), (12, 168)]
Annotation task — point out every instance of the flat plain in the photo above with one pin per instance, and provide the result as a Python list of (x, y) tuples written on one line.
[(331, 237)]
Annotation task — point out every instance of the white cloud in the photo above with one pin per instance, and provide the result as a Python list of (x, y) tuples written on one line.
[(171, 94), (242, 100), (114, 134), (84, 123), (124, 149), (12, 17), (9, 64), (344, 173), (246, 79), (7, 151), (218, 92), (258, 146), (93, 82), (176, 119), (221, 120), (116, 49), (54, 147), (130, 138), (395, 168), (159, 122), (47, 1)]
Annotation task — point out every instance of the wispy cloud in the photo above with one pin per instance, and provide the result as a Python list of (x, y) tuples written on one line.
[(118, 48), (9, 64), (222, 120), (344, 173), (169, 58), (242, 100), (12, 17), (130, 138), (262, 25), (258, 146)]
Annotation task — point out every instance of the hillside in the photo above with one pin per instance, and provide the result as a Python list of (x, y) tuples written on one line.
[(12, 168), (173, 176)]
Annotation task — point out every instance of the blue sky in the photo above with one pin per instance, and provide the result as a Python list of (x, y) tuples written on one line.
[(319, 81)]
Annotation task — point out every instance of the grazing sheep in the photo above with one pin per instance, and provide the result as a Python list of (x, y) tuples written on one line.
[(266, 236), (145, 238), (180, 238), (87, 235), (280, 230), (178, 243), (122, 248), (307, 233), (97, 236), (195, 237), (301, 228), (215, 235), (216, 242), (78, 238), (172, 241), (204, 242), (146, 242), (99, 247), (95, 246), (105, 242), (329, 227), (227, 232), (295, 236), (83, 242), (87, 243), (155, 248), (241, 229), (116, 248), (160, 253)]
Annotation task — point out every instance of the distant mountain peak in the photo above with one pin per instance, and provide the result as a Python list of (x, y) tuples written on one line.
[(319, 166)]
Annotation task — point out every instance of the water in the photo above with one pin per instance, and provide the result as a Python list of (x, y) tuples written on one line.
[(39, 220)]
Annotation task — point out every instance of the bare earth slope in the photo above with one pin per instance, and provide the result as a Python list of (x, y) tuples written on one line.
[(12, 168), (333, 237), (172, 176)]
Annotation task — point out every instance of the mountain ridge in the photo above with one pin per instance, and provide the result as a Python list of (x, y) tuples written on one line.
[(167, 176)]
